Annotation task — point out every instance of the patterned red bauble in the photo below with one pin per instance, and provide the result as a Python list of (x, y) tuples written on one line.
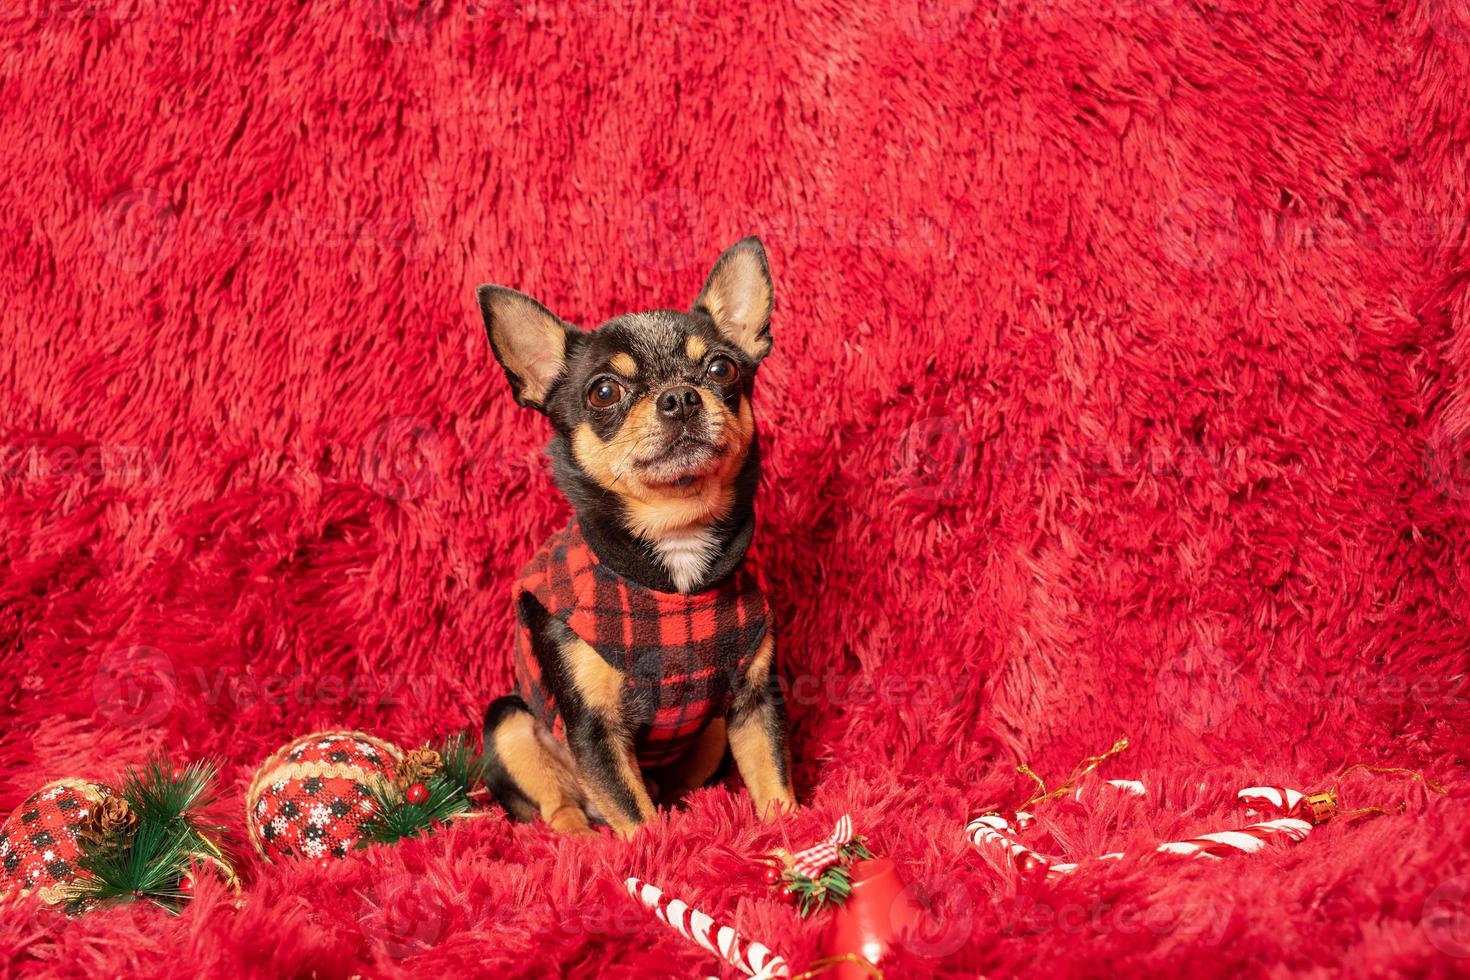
[(309, 800), (38, 842)]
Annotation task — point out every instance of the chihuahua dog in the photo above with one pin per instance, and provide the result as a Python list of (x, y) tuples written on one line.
[(644, 648)]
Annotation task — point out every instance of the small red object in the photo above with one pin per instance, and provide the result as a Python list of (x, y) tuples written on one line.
[(186, 885), (1030, 864), (773, 875), (873, 918), (417, 794), (324, 862)]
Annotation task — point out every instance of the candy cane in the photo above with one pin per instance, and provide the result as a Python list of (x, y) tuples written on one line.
[(992, 831), (1245, 840), (1271, 798), (750, 957)]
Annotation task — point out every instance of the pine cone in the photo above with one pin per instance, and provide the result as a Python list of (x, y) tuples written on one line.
[(110, 821), (418, 766)]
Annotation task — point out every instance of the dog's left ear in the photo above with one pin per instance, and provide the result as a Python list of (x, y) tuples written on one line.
[(738, 297)]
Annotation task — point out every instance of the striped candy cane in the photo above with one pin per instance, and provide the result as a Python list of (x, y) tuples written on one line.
[(1245, 840), (1277, 798), (750, 957), (1314, 808), (994, 831)]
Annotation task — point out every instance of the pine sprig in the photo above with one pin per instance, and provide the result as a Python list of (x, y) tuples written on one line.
[(174, 832), (463, 766), (833, 886), (395, 818), (168, 794)]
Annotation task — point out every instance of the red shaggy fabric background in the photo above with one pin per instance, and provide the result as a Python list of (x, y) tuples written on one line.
[(1120, 388)]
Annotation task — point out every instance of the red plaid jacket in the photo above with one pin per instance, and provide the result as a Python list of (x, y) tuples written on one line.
[(681, 654)]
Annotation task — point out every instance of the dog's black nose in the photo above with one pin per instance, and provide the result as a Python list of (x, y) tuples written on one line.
[(678, 403)]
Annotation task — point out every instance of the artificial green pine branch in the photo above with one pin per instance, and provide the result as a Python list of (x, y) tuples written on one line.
[(394, 818), (463, 766), (833, 886), (173, 832)]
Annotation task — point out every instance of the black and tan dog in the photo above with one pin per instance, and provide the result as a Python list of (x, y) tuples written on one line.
[(643, 648)]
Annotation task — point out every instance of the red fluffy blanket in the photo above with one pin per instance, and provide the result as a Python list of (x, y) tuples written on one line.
[(1120, 388)]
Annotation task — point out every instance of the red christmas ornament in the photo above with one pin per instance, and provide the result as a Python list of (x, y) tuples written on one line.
[(39, 840), (417, 794), (773, 876), (186, 885), (1030, 864), (310, 799)]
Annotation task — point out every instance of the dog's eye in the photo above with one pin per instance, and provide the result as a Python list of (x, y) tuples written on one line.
[(722, 369), (604, 393)]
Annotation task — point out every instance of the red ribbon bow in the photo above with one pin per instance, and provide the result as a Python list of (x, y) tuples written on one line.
[(811, 862)]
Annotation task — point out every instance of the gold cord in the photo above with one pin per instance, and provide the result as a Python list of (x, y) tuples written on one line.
[(826, 963), (1082, 768), (1335, 793)]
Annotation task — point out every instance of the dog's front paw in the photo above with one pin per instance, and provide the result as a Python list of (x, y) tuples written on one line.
[(777, 806), (570, 820)]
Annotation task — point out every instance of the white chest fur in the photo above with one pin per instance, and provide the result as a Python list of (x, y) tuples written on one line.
[(686, 555)]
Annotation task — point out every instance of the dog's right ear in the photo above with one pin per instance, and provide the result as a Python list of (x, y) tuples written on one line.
[(529, 341)]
